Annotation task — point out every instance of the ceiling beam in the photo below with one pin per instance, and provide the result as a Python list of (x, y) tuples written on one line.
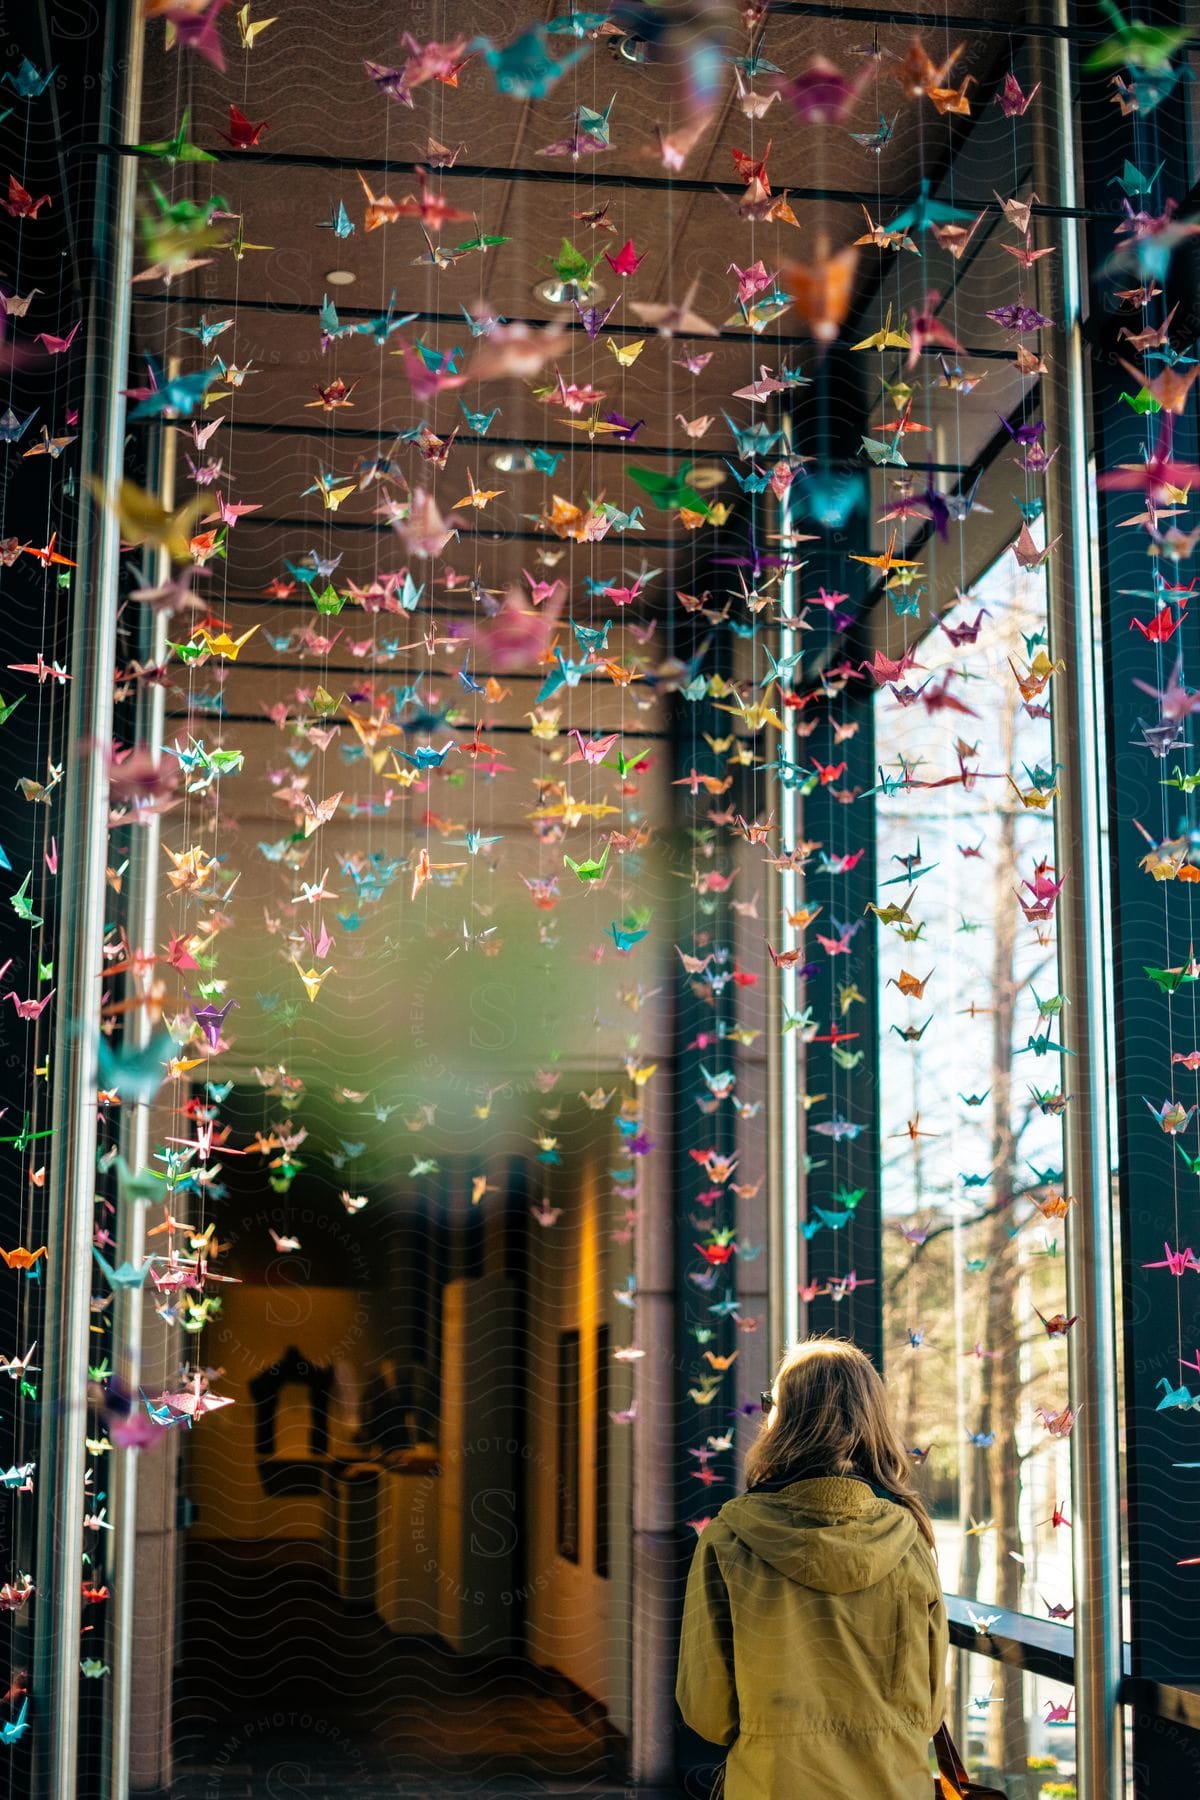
[(334, 522), (772, 340), (630, 542), (602, 447), (295, 159), (640, 733), (1015, 28)]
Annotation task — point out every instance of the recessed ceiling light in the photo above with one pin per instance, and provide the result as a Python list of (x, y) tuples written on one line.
[(512, 462), (340, 277), (569, 293), (706, 476)]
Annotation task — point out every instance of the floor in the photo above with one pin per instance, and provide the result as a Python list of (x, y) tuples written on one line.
[(289, 1779), (285, 1693)]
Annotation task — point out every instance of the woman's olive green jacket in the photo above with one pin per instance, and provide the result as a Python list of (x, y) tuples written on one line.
[(814, 1645)]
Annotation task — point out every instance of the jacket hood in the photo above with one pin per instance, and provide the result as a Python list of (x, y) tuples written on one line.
[(829, 1533)]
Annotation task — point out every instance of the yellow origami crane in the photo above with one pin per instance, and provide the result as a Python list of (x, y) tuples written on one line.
[(544, 725), (219, 643), (887, 560), (312, 979), (404, 777), (249, 29), (192, 868), (627, 354), (144, 520), (885, 338), (476, 497)]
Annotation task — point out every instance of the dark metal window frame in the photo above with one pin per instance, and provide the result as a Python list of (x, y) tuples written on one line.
[(1043, 1647), (601, 1451), (1161, 1513), (1161, 1701), (568, 1396)]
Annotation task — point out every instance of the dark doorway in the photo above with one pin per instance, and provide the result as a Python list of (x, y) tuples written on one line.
[(383, 1530)]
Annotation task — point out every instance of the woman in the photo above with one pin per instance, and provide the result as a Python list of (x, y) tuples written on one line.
[(814, 1633)]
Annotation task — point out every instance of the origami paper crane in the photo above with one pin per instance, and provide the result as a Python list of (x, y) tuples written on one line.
[(674, 319), (524, 68), (1012, 100), (250, 31)]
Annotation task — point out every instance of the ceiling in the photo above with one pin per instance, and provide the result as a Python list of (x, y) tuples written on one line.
[(326, 124), (688, 232)]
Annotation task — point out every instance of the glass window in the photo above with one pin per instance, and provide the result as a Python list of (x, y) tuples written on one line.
[(972, 1092), (1014, 1729)]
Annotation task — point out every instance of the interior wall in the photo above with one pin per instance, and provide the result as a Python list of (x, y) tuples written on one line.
[(331, 1327), (567, 1603), (477, 1532)]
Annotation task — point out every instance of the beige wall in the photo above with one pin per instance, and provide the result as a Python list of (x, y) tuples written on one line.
[(475, 1496), (328, 1326), (568, 1605)]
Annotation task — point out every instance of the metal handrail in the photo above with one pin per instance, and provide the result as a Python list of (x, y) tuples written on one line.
[(1042, 1646)]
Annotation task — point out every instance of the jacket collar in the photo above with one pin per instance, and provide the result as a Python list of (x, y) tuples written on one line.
[(774, 1484)]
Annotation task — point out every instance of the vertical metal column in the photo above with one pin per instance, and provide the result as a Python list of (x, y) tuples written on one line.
[(1153, 928), (837, 1165), (849, 1164), (654, 1554), (692, 1133), (1082, 936), (72, 1163), (783, 1049), (129, 1303)]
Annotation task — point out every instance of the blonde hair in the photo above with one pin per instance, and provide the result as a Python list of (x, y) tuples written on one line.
[(831, 1415)]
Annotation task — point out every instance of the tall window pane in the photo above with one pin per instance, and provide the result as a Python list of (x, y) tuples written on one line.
[(973, 1089)]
